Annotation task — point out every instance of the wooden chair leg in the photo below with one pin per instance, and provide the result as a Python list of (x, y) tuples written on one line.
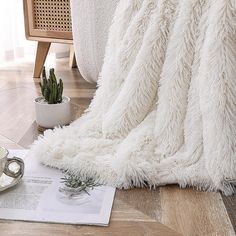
[(42, 52), (72, 62)]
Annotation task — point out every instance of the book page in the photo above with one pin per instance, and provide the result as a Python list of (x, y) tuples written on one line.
[(40, 196)]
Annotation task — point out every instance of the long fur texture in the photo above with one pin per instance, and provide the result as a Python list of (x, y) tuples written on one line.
[(165, 108)]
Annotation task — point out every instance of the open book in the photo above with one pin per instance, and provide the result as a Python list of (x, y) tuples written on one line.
[(38, 198)]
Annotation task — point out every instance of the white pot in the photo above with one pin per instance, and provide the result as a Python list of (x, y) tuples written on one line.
[(51, 115)]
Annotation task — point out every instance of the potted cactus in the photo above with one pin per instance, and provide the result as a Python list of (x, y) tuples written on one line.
[(52, 108)]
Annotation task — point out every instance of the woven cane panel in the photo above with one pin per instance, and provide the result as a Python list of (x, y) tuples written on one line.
[(53, 15)]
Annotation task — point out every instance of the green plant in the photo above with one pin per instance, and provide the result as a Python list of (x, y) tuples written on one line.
[(76, 182), (50, 88)]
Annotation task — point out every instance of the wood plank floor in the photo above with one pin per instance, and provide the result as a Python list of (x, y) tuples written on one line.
[(165, 211)]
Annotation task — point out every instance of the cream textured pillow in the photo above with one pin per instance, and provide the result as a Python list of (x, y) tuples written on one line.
[(91, 20)]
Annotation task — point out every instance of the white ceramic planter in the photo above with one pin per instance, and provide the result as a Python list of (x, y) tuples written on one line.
[(52, 115)]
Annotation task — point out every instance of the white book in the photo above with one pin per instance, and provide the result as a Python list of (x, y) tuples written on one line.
[(38, 198)]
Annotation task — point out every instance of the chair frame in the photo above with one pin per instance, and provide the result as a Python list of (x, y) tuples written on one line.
[(53, 32)]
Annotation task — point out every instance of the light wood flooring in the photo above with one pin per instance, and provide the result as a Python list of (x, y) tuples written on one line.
[(165, 211)]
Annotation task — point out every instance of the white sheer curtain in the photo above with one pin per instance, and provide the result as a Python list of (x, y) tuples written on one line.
[(13, 44)]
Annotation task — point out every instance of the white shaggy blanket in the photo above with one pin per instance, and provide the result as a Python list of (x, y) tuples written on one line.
[(165, 108)]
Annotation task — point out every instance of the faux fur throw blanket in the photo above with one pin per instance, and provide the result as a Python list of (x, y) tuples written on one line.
[(165, 108)]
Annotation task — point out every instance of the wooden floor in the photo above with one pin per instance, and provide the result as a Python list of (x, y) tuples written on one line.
[(165, 211)]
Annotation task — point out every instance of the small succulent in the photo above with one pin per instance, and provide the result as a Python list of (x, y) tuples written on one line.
[(50, 88), (76, 182)]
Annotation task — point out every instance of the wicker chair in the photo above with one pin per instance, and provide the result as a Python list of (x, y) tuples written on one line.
[(47, 21)]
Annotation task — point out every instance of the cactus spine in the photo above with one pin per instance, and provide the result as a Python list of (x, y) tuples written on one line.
[(51, 89)]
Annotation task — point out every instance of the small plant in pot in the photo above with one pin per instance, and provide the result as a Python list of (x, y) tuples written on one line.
[(52, 108)]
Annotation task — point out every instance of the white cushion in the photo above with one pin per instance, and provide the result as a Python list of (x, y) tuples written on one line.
[(91, 20)]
